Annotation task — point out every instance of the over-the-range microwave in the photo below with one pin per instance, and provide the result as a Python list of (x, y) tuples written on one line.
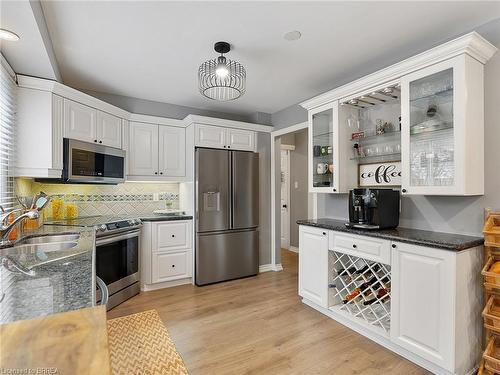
[(90, 163)]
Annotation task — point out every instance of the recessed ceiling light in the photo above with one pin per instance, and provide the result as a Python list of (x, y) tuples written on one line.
[(292, 35), (8, 35)]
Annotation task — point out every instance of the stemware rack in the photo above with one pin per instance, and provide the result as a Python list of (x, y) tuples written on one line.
[(360, 288)]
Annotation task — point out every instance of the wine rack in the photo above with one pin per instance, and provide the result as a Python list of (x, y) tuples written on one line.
[(360, 288)]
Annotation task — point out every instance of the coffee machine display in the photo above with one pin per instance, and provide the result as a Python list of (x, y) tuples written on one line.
[(373, 208)]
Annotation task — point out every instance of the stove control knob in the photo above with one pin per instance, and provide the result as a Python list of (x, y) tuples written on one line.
[(102, 228)]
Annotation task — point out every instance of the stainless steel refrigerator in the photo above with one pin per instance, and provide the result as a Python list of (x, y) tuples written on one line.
[(227, 215)]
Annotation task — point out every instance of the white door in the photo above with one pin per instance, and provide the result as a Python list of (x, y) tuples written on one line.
[(243, 140), (109, 130), (313, 265), (210, 136), (80, 121), (285, 199), (172, 151), (143, 149), (423, 302)]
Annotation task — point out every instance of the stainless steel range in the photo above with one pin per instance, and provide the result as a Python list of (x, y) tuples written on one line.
[(117, 254)]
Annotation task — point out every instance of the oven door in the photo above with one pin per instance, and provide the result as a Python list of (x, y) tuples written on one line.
[(90, 163), (117, 260)]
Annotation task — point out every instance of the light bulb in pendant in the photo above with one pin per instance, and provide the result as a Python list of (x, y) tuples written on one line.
[(221, 70)]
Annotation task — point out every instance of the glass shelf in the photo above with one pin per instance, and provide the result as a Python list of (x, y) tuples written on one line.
[(371, 157), (423, 129), (377, 137), (448, 93)]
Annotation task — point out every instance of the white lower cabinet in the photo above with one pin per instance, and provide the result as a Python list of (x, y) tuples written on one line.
[(423, 309), (166, 254), (435, 295), (313, 265)]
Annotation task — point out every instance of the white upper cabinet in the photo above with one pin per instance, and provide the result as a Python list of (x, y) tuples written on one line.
[(225, 138), (91, 125), (426, 111), (143, 149), (238, 139), (172, 151), (156, 152), (109, 130), (80, 121), (210, 136), (442, 125)]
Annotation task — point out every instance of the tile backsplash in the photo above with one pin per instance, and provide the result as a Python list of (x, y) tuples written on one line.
[(122, 199)]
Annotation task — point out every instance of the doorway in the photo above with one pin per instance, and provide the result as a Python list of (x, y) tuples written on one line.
[(285, 198)]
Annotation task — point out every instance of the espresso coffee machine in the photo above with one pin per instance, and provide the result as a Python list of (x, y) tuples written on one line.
[(373, 208)]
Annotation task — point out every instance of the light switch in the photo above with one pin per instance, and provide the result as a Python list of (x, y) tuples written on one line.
[(296, 184)]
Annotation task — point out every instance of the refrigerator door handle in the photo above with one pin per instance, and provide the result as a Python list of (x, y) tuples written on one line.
[(231, 189)]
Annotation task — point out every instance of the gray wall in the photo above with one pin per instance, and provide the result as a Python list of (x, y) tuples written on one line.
[(264, 150), (299, 195), (152, 108)]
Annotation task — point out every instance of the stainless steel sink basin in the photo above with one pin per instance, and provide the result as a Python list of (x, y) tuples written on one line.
[(50, 239), (46, 247)]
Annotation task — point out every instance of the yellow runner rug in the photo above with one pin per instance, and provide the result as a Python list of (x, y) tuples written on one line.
[(140, 344)]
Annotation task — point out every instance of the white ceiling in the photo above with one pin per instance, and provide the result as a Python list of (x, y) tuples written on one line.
[(152, 50)]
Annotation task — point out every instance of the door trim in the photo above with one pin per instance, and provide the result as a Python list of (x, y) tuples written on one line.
[(275, 134), (287, 203)]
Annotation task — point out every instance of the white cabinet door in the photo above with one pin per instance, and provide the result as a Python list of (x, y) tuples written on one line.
[(171, 235), (423, 302), (243, 140), (210, 136), (80, 121), (313, 265), (143, 149), (109, 130), (170, 266), (172, 151)]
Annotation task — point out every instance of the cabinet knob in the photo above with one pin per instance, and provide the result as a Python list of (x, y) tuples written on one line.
[(161, 172), (324, 233), (228, 146), (224, 146), (100, 141), (393, 245), (403, 190), (156, 172), (334, 189), (173, 265), (354, 246), (173, 235), (95, 140)]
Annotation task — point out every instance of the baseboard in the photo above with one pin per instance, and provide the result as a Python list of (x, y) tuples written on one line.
[(165, 284), (270, 267), (294, 249)]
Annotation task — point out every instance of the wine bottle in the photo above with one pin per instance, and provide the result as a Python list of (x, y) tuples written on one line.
[(380, 293), (356, 292), (350, 270), (375, 268), (375, 282)]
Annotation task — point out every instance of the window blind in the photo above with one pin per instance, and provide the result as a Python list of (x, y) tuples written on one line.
[(7, 134)]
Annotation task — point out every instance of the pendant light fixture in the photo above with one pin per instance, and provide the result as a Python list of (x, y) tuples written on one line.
[(222, 79)]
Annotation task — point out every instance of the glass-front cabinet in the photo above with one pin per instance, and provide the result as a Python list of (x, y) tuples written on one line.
[(323, 153), (442, 129)]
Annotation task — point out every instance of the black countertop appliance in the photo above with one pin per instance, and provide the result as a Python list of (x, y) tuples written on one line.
[(373, 208)]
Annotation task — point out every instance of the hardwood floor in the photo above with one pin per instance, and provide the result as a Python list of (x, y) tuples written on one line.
[(259, 325)]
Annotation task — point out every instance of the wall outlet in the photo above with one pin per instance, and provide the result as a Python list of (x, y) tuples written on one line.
[(296, 184)]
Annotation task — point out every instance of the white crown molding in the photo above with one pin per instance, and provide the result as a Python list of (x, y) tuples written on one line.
[(157, 120), (70, 93), (472, 44), (195, 119)]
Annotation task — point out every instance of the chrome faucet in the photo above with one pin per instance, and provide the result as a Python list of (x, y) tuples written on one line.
[(6, 228)]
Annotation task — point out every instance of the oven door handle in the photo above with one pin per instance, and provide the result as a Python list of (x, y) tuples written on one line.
[(117, 237), (104, 290)]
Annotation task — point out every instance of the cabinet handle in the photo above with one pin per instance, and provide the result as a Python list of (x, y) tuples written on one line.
[(393, 245), (354, 246), (403, 190), (324, 233)]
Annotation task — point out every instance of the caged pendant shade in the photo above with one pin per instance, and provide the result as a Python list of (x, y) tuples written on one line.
[(222, 79)]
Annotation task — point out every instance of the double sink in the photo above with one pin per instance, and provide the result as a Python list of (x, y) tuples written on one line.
[(38, 247)]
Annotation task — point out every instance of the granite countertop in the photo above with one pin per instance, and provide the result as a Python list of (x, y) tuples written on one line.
[(63, 280), (439, 240), (164, 217)]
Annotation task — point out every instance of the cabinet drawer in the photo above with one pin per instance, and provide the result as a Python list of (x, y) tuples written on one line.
[(173, 235), (170, 266), (363, 247)]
